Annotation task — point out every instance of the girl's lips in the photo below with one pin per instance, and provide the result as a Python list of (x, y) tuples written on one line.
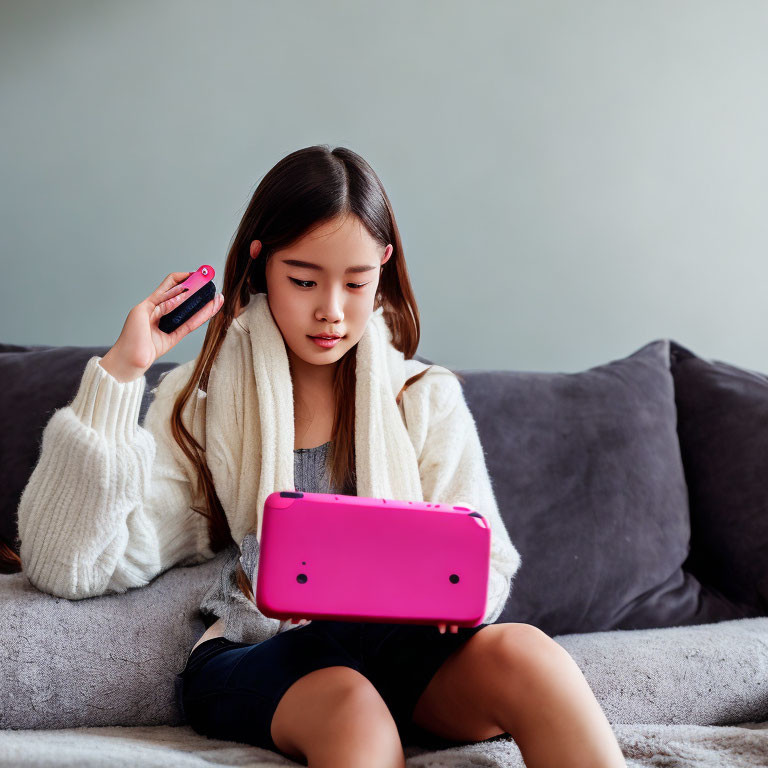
[(325, 343)]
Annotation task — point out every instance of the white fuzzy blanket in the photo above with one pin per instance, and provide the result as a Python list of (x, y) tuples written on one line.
[(667, 746)]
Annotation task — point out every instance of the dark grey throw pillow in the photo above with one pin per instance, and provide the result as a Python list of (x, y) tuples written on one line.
[(588, 476), (723, 428), (36, 381)]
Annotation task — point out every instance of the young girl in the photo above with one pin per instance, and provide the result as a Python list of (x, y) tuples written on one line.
[(265, 407)]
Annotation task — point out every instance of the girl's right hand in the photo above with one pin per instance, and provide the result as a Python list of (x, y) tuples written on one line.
[(141, 342)]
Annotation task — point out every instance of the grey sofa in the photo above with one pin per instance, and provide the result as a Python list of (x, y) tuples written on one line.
[(636, 492)]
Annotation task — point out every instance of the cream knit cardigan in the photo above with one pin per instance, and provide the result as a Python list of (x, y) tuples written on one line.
[(107, 506)]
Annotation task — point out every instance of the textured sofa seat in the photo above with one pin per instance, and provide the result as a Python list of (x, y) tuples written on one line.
[(662, 690)]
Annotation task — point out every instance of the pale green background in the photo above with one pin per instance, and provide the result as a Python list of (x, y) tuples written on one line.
[(571, 179)]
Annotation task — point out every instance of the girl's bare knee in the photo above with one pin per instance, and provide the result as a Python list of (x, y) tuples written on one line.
[(335, 716)]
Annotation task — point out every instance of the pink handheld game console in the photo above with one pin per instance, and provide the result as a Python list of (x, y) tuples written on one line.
[(352, 558)]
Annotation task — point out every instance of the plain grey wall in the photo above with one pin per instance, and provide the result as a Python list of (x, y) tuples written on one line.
[(571, 179)]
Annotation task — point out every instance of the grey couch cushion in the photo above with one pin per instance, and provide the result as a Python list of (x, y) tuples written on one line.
[(109, 660), (588, 476), (723, 430), (712, 674)]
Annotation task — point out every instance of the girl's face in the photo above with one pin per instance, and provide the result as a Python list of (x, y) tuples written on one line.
[(324, 284)]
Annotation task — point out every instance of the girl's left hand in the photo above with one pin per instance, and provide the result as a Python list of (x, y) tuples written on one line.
[(454, 628)]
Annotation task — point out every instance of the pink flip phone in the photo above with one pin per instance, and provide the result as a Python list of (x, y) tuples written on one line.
[(352, 558)]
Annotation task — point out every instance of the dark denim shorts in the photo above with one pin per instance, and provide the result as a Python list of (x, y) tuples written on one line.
[(231, 690)]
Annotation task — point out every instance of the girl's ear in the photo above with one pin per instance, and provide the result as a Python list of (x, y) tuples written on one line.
[(387, 253)]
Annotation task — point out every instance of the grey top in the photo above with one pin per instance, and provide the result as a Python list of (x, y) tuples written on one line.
[(245, 623)]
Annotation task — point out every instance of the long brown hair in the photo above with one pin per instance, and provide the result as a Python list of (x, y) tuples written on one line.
[(305, 189)]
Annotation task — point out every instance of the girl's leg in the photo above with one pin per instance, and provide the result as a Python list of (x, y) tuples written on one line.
[(514, 678), (549, 709), (334, 717)]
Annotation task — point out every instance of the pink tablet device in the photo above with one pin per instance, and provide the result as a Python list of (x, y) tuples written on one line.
[(352, 558)]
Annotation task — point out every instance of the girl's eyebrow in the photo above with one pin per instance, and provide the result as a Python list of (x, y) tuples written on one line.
[(309, 265)]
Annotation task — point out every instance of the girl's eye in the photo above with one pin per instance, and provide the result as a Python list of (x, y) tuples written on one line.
[(303, 283)]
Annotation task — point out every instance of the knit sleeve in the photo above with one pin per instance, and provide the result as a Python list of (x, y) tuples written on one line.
[(453, 471), (107, 506)]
